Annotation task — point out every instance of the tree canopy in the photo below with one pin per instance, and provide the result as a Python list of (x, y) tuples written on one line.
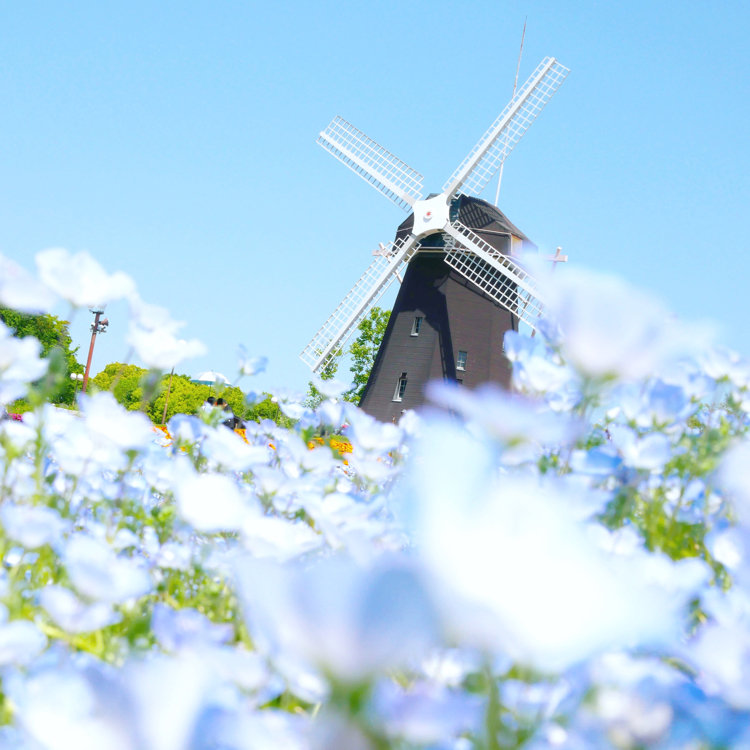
[(139, 389), (57, 345), (365, 348), (362, 352)]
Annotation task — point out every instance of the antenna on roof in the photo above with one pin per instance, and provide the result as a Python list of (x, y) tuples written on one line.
[(515, 86)]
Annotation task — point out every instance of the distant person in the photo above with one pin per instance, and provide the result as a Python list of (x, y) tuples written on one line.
[(230, 420), (208, 405)]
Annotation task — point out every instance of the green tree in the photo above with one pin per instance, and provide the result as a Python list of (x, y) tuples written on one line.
[(268, 408), (185, 397), (148, 390), (364, 349), (54, 335), (314, 397), (124, 381)]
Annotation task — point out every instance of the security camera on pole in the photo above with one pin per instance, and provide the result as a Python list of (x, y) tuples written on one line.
[(98, 326)]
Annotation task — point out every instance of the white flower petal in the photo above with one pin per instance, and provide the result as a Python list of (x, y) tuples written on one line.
[(21, 291), (211, 503), (32, 526), (98, 573), (80, 279), (73, 615), (20, 642)]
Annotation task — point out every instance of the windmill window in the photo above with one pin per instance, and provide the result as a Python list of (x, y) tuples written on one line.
[(416, 326), (400, 388), (461, 361)]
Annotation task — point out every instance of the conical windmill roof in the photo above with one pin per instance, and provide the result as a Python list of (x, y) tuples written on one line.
[(478, 215)]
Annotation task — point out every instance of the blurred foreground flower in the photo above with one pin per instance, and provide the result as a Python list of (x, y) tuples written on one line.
[(348, 622), (19, 290), (153, 335), (611, 329), (528, 578), (80, 279), (569, 567)]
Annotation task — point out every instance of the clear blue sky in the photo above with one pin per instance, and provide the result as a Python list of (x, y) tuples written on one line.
[(176, 142)]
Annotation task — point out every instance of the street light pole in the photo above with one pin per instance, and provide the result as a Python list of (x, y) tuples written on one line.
[(98, 326)]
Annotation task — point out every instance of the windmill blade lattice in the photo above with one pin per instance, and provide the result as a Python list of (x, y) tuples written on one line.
[(478, 168), (374, 164), (344, 320), (498, 275)]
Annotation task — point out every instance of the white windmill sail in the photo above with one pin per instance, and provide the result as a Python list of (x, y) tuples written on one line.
[(478, 168), (374, 164), (496, 274), (335, 332)]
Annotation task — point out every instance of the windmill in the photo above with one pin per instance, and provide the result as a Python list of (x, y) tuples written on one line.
[(462, 286)]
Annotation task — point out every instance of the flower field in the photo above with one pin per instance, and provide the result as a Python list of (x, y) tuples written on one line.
[(566, 566)]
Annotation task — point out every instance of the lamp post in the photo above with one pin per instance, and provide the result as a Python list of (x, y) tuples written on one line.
[(76, 377), (98, 326)]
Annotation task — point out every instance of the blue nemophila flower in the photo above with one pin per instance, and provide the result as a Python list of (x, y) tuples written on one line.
[(80, 279), (177, 629), (77, 450), (734, 476), (503, 417), (21, 435), (164, 703), (656, 403), (251, 365), (173, 555), (539, 371), (719, 650), (295, 410), (349, 622), (20, 364), (19, 290), (331, 388), (449, 667), (514, 558), (153, 335), (425, 713), (224, 448), (32, 526), (107, 420), (723, 364), (21, 642), (71, 614), (596, 462), (211, 502), (729, 546), (359, 525), (610, 329), (499, 499), (369, 435), (98, 573), (275, 538), (647, 452), (331, 414), (58, 708)]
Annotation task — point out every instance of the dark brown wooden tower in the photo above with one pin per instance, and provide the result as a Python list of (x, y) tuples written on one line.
[(443, 326)]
